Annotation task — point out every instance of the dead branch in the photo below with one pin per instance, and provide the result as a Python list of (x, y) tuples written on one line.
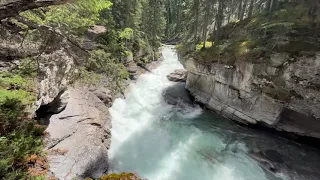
[(13, 8)]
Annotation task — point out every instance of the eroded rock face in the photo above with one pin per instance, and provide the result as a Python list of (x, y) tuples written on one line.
[(177, 95), (79, 137), (57, 70), (283, 94), (105, 95), (179, 75), (92, 34)]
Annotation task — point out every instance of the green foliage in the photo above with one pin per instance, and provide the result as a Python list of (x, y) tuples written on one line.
[(201, 45), (74, 17), (127, 34), (103, 62), (153, 22), (127, 53), (28, 67), (288, 29), (102, 68), (90, 77), (19, 135), (14, 150), (25, 97), (122, 176), (38, 178), (8, 80)]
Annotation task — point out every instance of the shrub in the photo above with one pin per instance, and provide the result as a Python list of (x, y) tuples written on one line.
[(114, 176), (20, 136), (201, 45), (28, 67)]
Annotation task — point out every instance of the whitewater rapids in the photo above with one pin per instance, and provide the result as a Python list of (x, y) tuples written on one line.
[(162, 142)]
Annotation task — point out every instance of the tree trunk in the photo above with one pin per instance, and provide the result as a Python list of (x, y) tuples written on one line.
[(271, 9), (268, 5), (240, 9), (219, 22), (206, 22), (197, 4), (250, 13), (154, 26), (243, 9), (11, 9), (178, 17), (214, 31), (269, 15), (168, 9)]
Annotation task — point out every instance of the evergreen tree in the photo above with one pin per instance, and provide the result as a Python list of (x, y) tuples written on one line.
[(154, 21)]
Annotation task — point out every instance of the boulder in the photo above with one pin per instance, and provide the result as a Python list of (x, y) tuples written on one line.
[(132, 69), (57, 70), (177, 95), (96, 31), (278, 59), (179, 75), (59, 103), (264, 162), (79, 137)]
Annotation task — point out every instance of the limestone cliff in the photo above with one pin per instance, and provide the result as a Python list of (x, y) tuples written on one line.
[(263, 74), (236, 92)]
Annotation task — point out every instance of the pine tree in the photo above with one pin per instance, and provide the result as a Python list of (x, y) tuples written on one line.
[(154, 22)]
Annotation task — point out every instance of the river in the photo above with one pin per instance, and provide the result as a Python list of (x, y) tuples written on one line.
[(163, 142)]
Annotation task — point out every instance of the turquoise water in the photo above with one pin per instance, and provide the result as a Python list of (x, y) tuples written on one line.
[(162, 142)]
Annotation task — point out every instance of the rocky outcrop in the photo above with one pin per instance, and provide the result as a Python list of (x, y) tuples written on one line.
[(57, 70), (177, 95), (79, 137), (78, 133), (283, 93), (93, 33), (104, 94), (179, 75)]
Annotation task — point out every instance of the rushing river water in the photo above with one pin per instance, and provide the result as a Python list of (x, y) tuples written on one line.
[(162, 142)]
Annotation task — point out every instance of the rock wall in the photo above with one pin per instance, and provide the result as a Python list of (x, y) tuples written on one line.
[(282, 93), (78, 123), (76, 114), (79, 137)]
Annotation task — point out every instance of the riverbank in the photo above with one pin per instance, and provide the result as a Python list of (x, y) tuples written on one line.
[(80, 135)]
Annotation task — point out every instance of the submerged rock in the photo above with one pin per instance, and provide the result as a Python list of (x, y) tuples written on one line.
[(274, 156), (264, 162), (177, 95), (179, 75)]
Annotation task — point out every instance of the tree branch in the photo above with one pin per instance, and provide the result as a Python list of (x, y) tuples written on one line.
[(33, 25), (11, 9)]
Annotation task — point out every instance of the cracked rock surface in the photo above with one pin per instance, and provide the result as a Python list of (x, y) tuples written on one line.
[(283, 94), (79, 137)]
